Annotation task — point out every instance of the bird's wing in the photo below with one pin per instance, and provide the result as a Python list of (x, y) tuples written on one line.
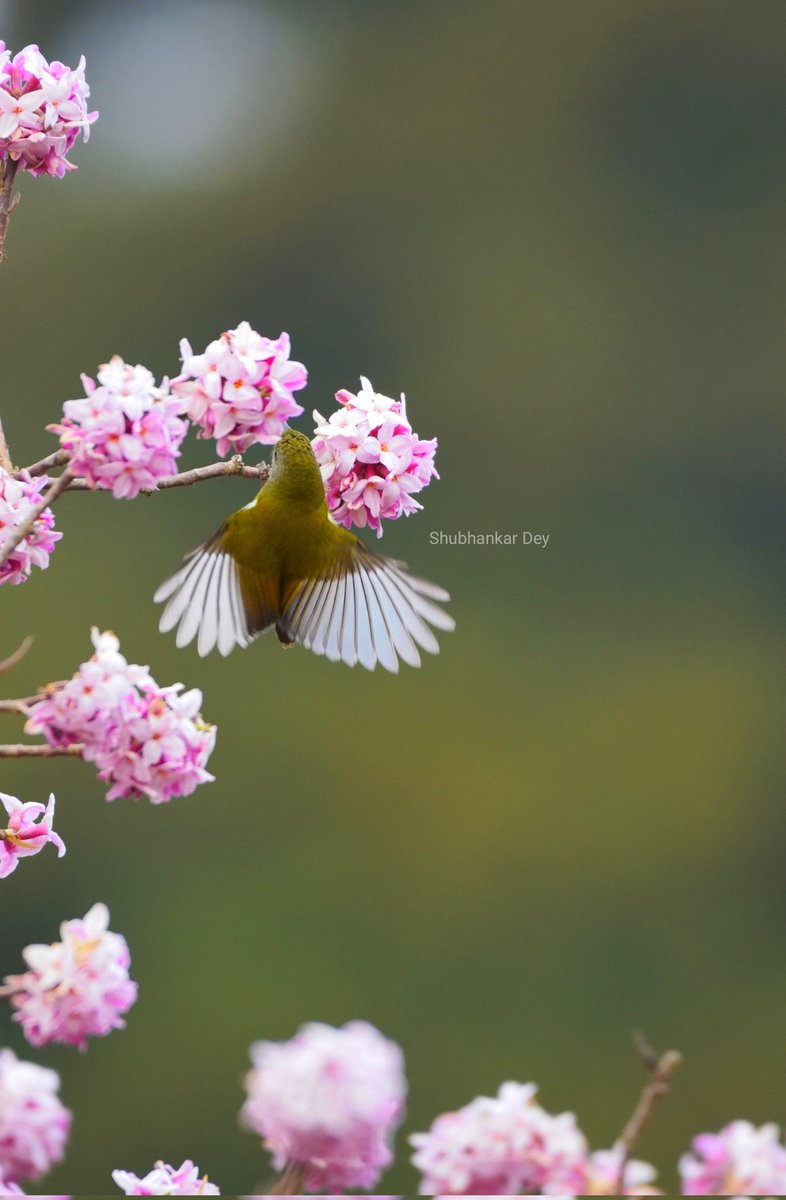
[(368, 609), (214, 598)]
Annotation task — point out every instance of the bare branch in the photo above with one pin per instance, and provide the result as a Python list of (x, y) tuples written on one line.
[(8, 663), (58, 458), (39, 750), (661, 1068), (8, 201), (5, 454), (23, 528)]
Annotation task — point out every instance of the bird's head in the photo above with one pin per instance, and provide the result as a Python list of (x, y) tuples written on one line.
[(294, 465)]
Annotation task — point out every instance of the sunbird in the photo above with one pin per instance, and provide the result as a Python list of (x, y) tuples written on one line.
[(282, 561)]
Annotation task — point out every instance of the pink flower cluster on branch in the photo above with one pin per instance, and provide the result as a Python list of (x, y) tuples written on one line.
[(34, 1125), (145, 740), (739, 1159), (43, 109), (76, 988), (240, 391), (18, 497), (28, 831), (370, 459), (126, 434), (328, 1101), (165, 1180)]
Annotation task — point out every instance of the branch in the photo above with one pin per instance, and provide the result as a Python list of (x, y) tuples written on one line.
[(38, 750), (289, 1182), (7, 663), (50, 495), (58, 458), (5, 456), (8, 201), (661, 1068), (234, 466)]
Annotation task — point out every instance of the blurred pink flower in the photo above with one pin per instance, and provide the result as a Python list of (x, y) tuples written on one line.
[(602, 1173), (28, 831), (240, 391), (741, 1158), (370, 459), (502, 1145), (125, 434), (43, 108), (34, 1125), (145, 740), (76, 988), (17, 497), (328, 1100), (164, 1180), (9, 1189)]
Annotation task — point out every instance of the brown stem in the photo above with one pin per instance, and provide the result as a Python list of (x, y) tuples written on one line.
[(50, 495), (235, 466), (661, 1068), (37, 750), (57, 459), (289, 1183), (7, 663), (8, 202), (5, 454)]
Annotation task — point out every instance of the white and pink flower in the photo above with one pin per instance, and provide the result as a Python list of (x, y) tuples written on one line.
[(371, 461), (43, 109), (18, 496), (329, 1100), (165, 1180), (76, 988), (34, 1125), (28, 830), (240, 391), (740, 1159), (126, 433)]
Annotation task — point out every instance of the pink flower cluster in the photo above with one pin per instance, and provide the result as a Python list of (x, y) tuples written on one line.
[(125, 434), (164, 1180), (371, 461), (739, 1159), (145, 740), (34, 1125), (76, 988), (42, 110), (328, 1100), (28, 831), (240, 391), (17, 498)]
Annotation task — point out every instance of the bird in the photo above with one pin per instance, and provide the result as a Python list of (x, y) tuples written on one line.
[(281, 561)]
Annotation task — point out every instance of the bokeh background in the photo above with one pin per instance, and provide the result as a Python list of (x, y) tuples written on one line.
[(559, 227)]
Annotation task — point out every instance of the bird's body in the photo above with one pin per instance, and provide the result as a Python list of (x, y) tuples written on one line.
[(282, 561)]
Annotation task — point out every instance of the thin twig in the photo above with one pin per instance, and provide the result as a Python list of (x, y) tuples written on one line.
[(661, 1068), (289, 1183), (5, 454), (23, 528), (8, 201), (58, 458), (17, 656), (39, 750)]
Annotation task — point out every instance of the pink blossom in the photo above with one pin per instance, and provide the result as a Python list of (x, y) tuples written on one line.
[(125, 434), (145, 740), (602, 1175), (502, 1145), (28, 831), (370, 459), (741, 1158), (240, 391), (164, 1180), (328, 1100), (17, 498), (43, 108), (34, 1125), (76, 988)]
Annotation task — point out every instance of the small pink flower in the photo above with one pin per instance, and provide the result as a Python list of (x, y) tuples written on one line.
[(164, 1180), (10, 1189), (34, 1125), (76, 988), (17, 498), (370, 459), (125, 434), (328, 1100), (240, 391), (28, 831), (43, 109), (739, 1159), (145, 740), (502, 1145)]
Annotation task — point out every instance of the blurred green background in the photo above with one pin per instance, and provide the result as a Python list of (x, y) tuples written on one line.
[(559, 227)]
